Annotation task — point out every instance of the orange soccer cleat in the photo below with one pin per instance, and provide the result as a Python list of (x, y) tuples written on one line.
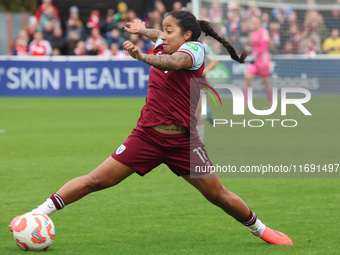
[(275, 237)]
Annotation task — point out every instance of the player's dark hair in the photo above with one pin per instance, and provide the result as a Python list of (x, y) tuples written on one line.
[(187, 21)]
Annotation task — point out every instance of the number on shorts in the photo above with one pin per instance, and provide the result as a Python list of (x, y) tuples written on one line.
[(200, 153)]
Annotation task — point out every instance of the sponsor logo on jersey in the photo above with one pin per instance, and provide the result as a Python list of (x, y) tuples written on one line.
[(192, 46), (120, 149)]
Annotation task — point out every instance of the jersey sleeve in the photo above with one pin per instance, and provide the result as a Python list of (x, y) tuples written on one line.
[(195, 51)]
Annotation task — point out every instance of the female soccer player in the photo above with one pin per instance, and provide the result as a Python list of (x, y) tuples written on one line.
[(259, 60), (166, 125)]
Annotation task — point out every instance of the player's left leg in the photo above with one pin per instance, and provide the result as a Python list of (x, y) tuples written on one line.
[(109, 173), (213, 190), (216, 193)]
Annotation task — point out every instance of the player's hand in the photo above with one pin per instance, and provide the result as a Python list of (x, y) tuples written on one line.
[(134, 26), (133, 50)]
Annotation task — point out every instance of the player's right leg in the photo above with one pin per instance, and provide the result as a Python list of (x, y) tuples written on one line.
[(212, 189), (108, 174)]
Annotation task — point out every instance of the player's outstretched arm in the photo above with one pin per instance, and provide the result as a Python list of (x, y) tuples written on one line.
[(167, 62), (138, 27)]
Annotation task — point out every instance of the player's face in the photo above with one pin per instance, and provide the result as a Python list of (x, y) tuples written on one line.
[(172, 35)]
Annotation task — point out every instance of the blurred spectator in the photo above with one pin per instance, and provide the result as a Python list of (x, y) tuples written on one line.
[(188, 7), (147, 43), (134, 38), (131, 16), (116, 52), (245, 30), (140, 45), (311, 49), (275, 36), (234, 20), (332, 44), (43, 7), (160, 7), (235, 42), (56, 52), (59, 41), (39, 46), (72, 42), (234, 6), (282, 13), (177, 6), (108, 24), (122, 10), (80, 49), (157, 26), (115, 38), (32, 27), (74, 23), (265, 18), (288, 49), (204, 14), (253, 10), (48, 31), (292, 19), (48, 16), (20, 47), (333, 18), (294, 37), (154, 17), (94, 20), (103, 50), (314, 24), (215, 13), (93, 43)]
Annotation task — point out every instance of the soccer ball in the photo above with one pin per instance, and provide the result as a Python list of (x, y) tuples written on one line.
[(33, 231)]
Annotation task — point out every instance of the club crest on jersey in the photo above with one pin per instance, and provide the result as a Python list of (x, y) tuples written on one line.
[(120, 149), (192, 46)]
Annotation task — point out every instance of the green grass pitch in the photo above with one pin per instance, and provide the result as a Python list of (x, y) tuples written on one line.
[(45, 142)]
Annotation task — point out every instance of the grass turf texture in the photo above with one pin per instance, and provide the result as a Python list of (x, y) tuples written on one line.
[(45, 142)]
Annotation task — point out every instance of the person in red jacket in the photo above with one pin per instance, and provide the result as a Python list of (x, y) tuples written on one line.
[(39, 46), (42, 9)]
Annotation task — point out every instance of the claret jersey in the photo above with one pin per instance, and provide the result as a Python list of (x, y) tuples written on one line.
[(168, 100)]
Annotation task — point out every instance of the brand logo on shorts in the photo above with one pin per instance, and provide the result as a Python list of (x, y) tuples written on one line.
[(120, 149)]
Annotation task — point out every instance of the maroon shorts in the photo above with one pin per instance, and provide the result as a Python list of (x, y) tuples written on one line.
[(146, 148)]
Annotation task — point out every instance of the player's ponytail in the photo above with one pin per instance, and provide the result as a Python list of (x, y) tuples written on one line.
[(187, 21), (209, 30)]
